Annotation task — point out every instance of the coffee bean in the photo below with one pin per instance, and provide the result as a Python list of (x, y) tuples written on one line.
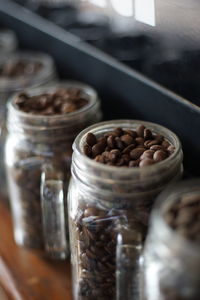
[(128, 149), (111, 141), (147, 154), (136, 153), (165, 144), (126, 139), (134, 163), (119, 143), (119, 131), (87, 150), (147, 134), (139, 141), (97, 149), (156, 147), (91, 139), (146, 162), (159, 155), (131, 133), (140, 131), (114, 155), (171, 149)]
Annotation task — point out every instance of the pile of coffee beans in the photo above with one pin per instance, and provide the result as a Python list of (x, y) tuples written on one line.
[(97, 239), (128, 148), (62, 101), (12, 69), (184, 216)]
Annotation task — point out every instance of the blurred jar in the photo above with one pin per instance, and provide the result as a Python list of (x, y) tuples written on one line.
[(8, 41), (171, 255), (105, 201), (17, 72), (41, 144)]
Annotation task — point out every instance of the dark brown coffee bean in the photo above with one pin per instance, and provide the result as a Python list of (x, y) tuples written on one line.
[(139, 141), (114, 155), (128, 149), (156, 147), (111, 141), (119, 143), (159, 155), (131, 133), (147, 154), (147, 134), (136, 153), (151, 143), (134, 163), (126, 158), (91, 139), (119, 131), (97, 149), (140, 131), (91, 211), (87, 150), (165, 144), (119, 162), (159, 138), (126, 139), (103, 141), (146, 162)]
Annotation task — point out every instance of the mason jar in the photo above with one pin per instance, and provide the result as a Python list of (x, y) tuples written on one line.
[(38, 158), (8, 41), (11, 84), (103, 201), (171, 259)]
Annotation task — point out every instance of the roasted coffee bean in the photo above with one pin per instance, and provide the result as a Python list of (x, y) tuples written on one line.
[(134, 163), (91, 139), (171, 149), (126, 139), (111, 141), (147, 154), (97, 149), (159, 155), (146, 162), (119, 143), (87, 150), (128, 149), (131, 133), (139, 141), (140, 131), (119, 131), (147, 134), (165, 144), (19, 68), (114, 155), (136, 153), (156, 147)]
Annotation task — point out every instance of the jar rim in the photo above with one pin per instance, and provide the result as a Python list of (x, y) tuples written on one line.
[(92, 100), (167, 197), (14, 84), (80, 139)]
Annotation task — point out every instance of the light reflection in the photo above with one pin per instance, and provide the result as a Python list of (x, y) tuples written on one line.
[(123, 8)]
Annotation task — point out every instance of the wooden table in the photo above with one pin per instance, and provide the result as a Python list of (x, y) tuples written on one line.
[(25, 275)]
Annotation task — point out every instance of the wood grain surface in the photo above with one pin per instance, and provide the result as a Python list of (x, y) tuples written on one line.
[(26, 276)]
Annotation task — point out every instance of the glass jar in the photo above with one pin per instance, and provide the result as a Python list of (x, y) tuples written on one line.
[(171, 262), (8, 41), (41, 145), (9, 85), (103, 200)]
